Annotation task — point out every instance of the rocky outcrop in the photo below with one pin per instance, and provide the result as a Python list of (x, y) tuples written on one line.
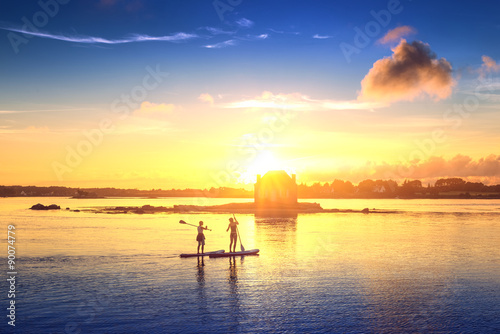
[(45, 207)]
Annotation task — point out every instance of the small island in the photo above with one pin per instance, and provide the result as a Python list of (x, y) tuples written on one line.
[(275, 195), (232, 208)]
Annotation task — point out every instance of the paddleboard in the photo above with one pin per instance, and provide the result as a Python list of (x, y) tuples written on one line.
[(247, 252), (203, 254)]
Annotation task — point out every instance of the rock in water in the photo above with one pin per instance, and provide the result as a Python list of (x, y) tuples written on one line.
[(43, 207)]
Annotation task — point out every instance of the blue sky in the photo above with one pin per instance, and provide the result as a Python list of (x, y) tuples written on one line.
[(63, 78), (454, 30)]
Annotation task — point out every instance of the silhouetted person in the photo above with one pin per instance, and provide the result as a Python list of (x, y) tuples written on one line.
[(233, 225), (201, 238)]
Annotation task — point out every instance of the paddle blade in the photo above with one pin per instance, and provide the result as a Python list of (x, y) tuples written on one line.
[(241, 245), (182, 222)]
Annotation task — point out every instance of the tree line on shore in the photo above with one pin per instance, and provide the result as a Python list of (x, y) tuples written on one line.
[(443, 188), (446, 187), (55, 191)]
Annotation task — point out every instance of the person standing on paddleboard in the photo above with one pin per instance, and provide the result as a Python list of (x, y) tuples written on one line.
[(233, 225), (201, 237)]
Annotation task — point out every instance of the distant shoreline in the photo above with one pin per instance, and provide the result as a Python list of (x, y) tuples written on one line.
[(450, 188), (459, 196)]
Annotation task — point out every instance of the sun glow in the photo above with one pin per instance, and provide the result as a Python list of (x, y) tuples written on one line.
[(264, 162)]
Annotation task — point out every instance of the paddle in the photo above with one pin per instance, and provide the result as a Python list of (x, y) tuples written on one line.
[(183, 222), (237, 230)]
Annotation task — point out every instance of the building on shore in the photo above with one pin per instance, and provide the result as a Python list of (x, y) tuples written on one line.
[(276, 190)]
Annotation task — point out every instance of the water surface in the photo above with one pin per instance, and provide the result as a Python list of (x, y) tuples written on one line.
[(432, 267)]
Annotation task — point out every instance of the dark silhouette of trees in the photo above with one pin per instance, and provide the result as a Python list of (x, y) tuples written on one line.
[(443, 188), (450, 184), (377, 188), (410, 188), (342, 188), (33, 191), (7, 191), (477, 186), (391, 186), (366, 187)]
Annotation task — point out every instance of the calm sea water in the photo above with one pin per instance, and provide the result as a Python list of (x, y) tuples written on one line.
[(432, 267)]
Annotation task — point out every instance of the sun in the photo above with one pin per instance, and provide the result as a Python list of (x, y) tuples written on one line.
[(264, 162)]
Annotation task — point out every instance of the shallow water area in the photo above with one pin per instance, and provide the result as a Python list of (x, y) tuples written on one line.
[(432, 267)]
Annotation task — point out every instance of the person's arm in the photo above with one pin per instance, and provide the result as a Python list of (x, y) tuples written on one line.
[(228, 227)]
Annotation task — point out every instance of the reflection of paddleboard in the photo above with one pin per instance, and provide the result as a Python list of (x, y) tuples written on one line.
[(203, 254), (247, 252)]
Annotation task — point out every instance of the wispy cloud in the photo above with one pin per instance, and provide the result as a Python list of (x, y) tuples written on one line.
[(149, 108), (39, 110), (396, 34), (29, 130), (207, 98), (489, 66), (245, 23), (136, 38), (180, 36), (236, 40), (221, 45), (321, 36), (254, 37), (17, 111), (298, 101), (217, 31), (36, 129), (489, 92), (284, 32)]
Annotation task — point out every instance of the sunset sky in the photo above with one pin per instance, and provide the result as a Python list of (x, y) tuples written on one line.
[(177, 94)]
